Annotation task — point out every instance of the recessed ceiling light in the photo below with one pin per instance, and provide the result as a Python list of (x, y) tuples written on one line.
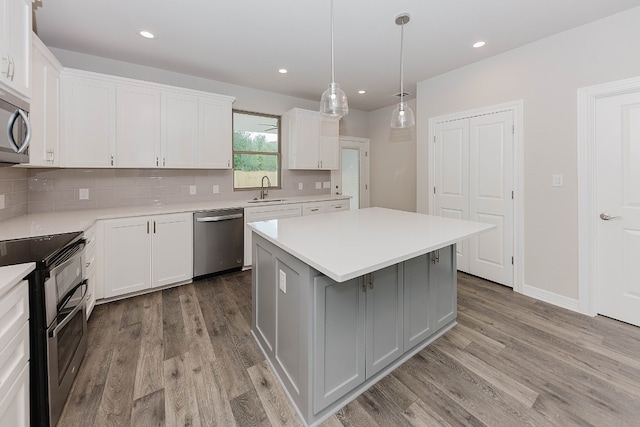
[(478, 44), (146, 34), (283, 71), (361, 92)]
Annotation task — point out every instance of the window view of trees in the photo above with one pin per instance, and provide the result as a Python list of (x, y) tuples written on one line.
[(256, 150)]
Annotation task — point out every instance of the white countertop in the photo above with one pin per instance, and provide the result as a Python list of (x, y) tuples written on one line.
[(12, 274), (349, 244), (41, 224)]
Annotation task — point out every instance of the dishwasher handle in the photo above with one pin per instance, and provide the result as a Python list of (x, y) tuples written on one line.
[(218, 218)]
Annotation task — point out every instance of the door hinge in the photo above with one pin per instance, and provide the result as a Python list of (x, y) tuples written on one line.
[(366, 154), (366, 186)]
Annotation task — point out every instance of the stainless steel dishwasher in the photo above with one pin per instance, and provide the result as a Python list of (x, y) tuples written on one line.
[(218, 241)]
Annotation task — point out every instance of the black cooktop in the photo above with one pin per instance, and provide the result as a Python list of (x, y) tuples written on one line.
[(42, 249)]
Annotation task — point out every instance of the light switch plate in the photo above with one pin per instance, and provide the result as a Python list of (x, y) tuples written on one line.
[(318, 185), (192, 190), (300, 186), (282, 283), (557, 180), (326, 184), (84, 193), (216, 189)]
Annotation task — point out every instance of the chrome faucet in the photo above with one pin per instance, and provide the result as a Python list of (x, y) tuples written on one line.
[(264, 192)]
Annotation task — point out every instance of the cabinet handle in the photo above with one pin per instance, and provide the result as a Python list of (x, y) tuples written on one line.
[(112, 160), (364, 283), (157, 161), (371, 280), (164, 161), (154, 227), (13, 69), (435, 256), (315, 210), (228, 163), (147, 227), (7, 72)]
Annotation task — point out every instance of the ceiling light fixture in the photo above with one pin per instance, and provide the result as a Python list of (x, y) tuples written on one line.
[(478, 44), (334, 101), (282, 71), (402, 116), (146, 34), (362, 92)]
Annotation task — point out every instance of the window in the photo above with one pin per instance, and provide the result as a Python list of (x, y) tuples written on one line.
[(256, 150)]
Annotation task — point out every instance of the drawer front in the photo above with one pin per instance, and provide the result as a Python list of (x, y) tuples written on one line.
[(13, 358), (14, 403), (14, 312), (312, 210)]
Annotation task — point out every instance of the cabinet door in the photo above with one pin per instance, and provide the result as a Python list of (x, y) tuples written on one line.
[(127, 256), (88, 116), (329, 144), (137, 127), (214, 144), (303, 135), (443, 286), (180, 130), (41, 129), (339, 320), (172, 251), (15, 45), (384, 318), (418, 319), (14, 403)]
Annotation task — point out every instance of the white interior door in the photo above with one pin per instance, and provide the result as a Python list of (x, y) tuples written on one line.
[(474, 181), (490, 195), (618, 202), (451, 187), (352, 179)]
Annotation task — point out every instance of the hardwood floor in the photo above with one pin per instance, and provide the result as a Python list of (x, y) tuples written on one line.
[(185, 357)]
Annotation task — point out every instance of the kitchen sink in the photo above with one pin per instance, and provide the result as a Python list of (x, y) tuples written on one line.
[(265, 200)]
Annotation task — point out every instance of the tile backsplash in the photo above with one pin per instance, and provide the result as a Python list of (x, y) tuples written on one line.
[(53, 190), (14, 189)]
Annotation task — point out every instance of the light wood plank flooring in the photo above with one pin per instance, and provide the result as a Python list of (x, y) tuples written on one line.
[(185, 357)]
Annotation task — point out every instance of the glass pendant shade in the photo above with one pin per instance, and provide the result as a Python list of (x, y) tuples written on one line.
[(402, 116), (334, 101)]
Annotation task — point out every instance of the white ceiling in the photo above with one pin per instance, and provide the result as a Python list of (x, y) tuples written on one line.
[(245, 42)]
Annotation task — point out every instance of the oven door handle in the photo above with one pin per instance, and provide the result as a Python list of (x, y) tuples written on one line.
[(67, 297), (80, 306)]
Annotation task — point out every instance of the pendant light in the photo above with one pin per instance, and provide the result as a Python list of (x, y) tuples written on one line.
[(402, 116), (334, 101)]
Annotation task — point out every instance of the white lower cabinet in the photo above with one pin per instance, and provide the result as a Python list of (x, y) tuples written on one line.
[(314, 208), (14, 356), (145, 252), (90, 268)]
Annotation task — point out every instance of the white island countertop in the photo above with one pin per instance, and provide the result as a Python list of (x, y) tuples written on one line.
[(345, 245)]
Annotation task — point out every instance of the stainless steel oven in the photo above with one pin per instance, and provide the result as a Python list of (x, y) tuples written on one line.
[(65, 294)]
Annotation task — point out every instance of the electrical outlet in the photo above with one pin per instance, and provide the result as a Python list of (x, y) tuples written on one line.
[(557, 181), (326, 184), (1, 201), (216, 188), (300, 186), (318, 185), (84, 193), (282, 283), (192, 190)]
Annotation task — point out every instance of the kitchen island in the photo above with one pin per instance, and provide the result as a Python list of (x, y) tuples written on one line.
[(342, 300)]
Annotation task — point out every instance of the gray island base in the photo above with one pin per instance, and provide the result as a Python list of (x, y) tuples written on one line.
[(329, 341), (342, 299)]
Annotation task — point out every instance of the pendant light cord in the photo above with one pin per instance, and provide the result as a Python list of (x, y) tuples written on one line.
[(333, 77), (402, 65)]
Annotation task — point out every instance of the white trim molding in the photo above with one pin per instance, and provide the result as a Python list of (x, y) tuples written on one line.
[(517, 107), (587, 213), (551, 298)]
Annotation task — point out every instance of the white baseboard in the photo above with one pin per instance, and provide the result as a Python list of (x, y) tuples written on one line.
[(551, 298)]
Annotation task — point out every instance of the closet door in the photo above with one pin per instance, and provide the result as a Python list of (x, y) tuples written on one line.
[(490, 195), (451, 185), (474, 181)]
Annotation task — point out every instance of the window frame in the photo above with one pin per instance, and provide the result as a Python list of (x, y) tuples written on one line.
[(278, 154)]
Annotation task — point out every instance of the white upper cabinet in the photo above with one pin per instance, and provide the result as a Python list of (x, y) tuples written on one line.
[(88, 121), (311, 139), (15, 46), (45, 106), (214, 143), (137, 127), (179, 130), (116, 122)]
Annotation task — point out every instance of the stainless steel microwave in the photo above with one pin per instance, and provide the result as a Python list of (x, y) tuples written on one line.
[(15, 130)]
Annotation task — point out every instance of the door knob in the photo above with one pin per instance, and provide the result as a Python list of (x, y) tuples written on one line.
[(605, 217)]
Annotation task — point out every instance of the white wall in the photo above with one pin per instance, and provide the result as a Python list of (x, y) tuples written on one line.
[(545, 75), (392, 161), (248, 99)]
